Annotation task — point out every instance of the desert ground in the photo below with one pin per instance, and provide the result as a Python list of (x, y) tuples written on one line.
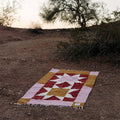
[(25, 57)]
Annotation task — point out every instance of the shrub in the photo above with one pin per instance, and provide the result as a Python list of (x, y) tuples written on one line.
[(79, 46), (118, 61), (36, 30), (86, 44), (109, 37)]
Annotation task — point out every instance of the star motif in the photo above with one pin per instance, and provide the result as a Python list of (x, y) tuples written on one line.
[(69, 79), (66, 86)]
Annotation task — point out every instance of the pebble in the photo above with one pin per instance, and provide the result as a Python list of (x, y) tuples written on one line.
[(29, 114), (10, 103)]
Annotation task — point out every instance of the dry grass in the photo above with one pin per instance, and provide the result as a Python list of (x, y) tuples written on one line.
[(24, 62)]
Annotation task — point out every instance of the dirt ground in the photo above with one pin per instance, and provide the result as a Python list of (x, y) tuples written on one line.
[(26, 57)]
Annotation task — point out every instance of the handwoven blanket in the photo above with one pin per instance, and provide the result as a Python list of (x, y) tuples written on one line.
[(62, 88)]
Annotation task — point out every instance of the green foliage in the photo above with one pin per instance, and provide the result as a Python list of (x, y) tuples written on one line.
[(72, 11)]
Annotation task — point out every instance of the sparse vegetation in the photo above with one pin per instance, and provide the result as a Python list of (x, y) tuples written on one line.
[(74, 11), (7, 14), (36, 29), (109, 36), (105, 42)]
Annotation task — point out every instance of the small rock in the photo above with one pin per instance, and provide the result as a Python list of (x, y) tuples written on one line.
[(23, 59), (29, 114), (7, 92), (5, 58), (10, 92), (15, 109), (102, 117), (10, 103), (19, 92)]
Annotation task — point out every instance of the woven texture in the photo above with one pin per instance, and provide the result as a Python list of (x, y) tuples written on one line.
[(62, 88)]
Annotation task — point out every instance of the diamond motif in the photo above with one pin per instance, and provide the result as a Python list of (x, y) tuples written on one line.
[(77, 86), (58, 92), (62, 86), (49, 84)]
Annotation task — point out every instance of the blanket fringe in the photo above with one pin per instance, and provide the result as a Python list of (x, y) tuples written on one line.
[(35, 105)]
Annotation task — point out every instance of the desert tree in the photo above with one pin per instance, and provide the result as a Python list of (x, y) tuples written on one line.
[(7, 14), (73, 11), (107, 16), (116, 15)]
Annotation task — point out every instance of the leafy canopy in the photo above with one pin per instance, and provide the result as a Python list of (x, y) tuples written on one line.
[(72, 11)]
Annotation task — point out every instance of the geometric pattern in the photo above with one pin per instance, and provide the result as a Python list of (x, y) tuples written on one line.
[(61, 87)]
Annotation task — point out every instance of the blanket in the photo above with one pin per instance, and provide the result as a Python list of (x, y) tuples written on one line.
[(61, 88)]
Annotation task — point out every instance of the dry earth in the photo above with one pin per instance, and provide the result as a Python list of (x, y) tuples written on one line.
[(26, 57)]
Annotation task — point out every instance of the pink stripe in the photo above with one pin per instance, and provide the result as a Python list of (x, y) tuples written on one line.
[(94, 73), (83, 94), (32, 91), (50, 102), (54, 70)]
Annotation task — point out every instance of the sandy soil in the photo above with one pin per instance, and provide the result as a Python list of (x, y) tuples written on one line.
[(26, 57)]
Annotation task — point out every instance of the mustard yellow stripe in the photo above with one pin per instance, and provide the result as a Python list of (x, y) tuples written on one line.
[(74, 72), (23, 101), (46, 78), (77, 104), (90, 81)]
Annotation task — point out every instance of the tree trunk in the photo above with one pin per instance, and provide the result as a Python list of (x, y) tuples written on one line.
[(78, 12), (81, 18), (83, 21)]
